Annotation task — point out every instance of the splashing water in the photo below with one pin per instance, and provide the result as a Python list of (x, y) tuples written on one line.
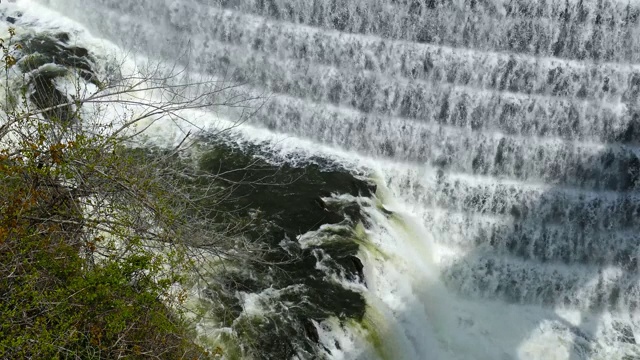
[(504, 134)]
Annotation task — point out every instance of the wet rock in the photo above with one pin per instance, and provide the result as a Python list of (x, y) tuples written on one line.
[(353, 212), (289, 196), (290, 201), (332, 217), (386, 211), (48, 98), (52, 48), (63, 36), (358, 266), (13, 18), (45, 57), (32, 61), (310, 331)]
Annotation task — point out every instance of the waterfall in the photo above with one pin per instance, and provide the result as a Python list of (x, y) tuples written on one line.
[(504, 134)]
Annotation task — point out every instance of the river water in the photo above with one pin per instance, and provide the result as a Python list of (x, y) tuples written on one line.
[(503, 134)]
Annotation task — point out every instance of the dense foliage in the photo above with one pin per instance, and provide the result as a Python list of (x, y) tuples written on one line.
[(90, 239)]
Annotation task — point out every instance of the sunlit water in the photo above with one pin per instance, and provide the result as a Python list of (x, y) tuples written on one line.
[(504, 135)]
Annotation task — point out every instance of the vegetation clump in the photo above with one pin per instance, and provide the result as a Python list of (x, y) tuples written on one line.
[(92, 242)]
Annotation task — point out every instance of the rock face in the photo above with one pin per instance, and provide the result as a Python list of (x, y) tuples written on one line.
[(47, 96), (44, 49), (295, 202), (292, 281), (45, 57)]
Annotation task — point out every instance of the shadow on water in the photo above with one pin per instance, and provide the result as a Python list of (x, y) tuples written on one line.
[(574, 246)]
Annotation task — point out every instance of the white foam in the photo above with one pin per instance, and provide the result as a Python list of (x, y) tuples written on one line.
[(411, 314)]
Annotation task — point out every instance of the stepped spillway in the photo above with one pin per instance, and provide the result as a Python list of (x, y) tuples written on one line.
[(505, 135)]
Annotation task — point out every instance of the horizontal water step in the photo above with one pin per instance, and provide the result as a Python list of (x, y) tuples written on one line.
[(457, 106), (553, 161), (582, 212), (418, 61), (576, 10), (371, 92), (467, 67), (463, 150), (466, 107), (481, 275), (463, 107), (536, 241), (606, 34)]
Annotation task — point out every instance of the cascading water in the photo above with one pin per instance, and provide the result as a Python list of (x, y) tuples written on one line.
[(505, 135)]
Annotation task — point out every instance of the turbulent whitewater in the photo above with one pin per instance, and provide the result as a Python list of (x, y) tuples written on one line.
[(504, 136)]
